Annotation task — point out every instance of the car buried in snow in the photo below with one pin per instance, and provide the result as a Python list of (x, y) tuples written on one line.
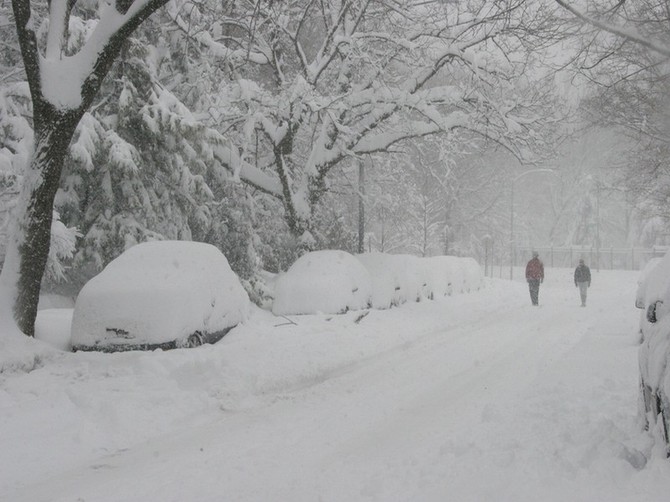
[(159, 295), (325, 281), (654, 355)]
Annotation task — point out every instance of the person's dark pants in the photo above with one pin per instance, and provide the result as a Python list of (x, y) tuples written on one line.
[(583, 287), (534, 288)]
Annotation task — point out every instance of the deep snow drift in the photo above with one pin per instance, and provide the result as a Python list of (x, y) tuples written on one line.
[(475, 397)]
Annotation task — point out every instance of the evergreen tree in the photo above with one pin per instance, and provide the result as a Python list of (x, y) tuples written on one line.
[(63, 85)]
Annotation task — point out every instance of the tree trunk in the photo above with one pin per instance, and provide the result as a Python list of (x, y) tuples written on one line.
[(24, 267), (28, 246)]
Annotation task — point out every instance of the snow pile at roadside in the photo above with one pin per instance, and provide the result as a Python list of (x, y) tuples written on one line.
[(17, 352)]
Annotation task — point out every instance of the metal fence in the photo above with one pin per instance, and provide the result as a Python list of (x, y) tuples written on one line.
[(632, 258)]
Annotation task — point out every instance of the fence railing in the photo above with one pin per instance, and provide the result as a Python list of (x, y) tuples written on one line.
[(612, 258), (633, 258)]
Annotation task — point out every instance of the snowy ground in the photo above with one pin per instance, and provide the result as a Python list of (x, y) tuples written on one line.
[(478, 397)]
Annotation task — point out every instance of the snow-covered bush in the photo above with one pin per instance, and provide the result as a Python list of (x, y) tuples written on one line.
[(260, 288), (323, 281)]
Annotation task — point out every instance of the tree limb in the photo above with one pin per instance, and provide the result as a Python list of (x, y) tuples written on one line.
[(616, 30)]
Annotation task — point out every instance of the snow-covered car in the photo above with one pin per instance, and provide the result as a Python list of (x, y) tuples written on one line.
[(401, 278), (327, 282), (647, 285), (654, 355), (473, 274), (386, 273), (643, 281), (159, 295)]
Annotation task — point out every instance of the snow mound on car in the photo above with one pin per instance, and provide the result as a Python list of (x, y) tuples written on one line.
[(160, 291), (326, 282), (388, 276), (401, 278)]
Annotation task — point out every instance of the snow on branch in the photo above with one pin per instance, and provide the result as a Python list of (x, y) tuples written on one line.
[(216, 48), (59, 13), (246, 172), (625, 32), (70, 82), (414, 129)]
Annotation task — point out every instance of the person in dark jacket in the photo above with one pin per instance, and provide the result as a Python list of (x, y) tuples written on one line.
[(534, 276), (582, 280)]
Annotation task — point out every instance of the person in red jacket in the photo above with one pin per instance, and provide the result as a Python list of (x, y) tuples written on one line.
[(534, 276)]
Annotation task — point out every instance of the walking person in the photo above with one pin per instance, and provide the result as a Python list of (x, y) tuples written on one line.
[(534, 276), (582, 280)]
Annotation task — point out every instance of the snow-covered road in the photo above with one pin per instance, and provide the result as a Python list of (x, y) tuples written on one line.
[(479, 397)]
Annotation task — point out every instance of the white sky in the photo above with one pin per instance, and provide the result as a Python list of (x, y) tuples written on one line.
[(476, 397)]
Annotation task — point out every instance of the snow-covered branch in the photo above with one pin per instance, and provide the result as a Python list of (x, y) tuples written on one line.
[(626, 32), (246, 172), (354, 79), (215, 47), (59, 13), (72, 81)]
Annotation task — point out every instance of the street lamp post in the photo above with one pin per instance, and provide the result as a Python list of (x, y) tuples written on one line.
[(511, 231), (361, 206), (598, 225), (511, 214)]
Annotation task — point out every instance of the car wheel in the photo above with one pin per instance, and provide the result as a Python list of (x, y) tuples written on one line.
[(651, 313), (195, 340)]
